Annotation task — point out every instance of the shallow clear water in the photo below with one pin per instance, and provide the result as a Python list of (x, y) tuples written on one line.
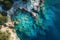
[(46, 27), (28, 28)]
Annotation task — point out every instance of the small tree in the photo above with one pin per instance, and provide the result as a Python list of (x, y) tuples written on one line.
[(0, 27), (7, 4)]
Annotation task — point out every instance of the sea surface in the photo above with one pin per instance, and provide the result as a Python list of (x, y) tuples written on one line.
[(46, 27)]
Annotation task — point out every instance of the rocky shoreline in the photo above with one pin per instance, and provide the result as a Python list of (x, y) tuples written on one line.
[(13, 35)]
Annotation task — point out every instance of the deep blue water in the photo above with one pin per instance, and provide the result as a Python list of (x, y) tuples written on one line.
[(53, 20)]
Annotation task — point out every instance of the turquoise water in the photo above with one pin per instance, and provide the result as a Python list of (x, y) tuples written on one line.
[(28, 27), (46, 27)]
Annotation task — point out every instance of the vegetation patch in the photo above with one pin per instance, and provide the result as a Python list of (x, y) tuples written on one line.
[(3, 19)]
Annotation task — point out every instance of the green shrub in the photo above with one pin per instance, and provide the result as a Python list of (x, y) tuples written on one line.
[(7, 4), (3, 19), (0, 27)]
